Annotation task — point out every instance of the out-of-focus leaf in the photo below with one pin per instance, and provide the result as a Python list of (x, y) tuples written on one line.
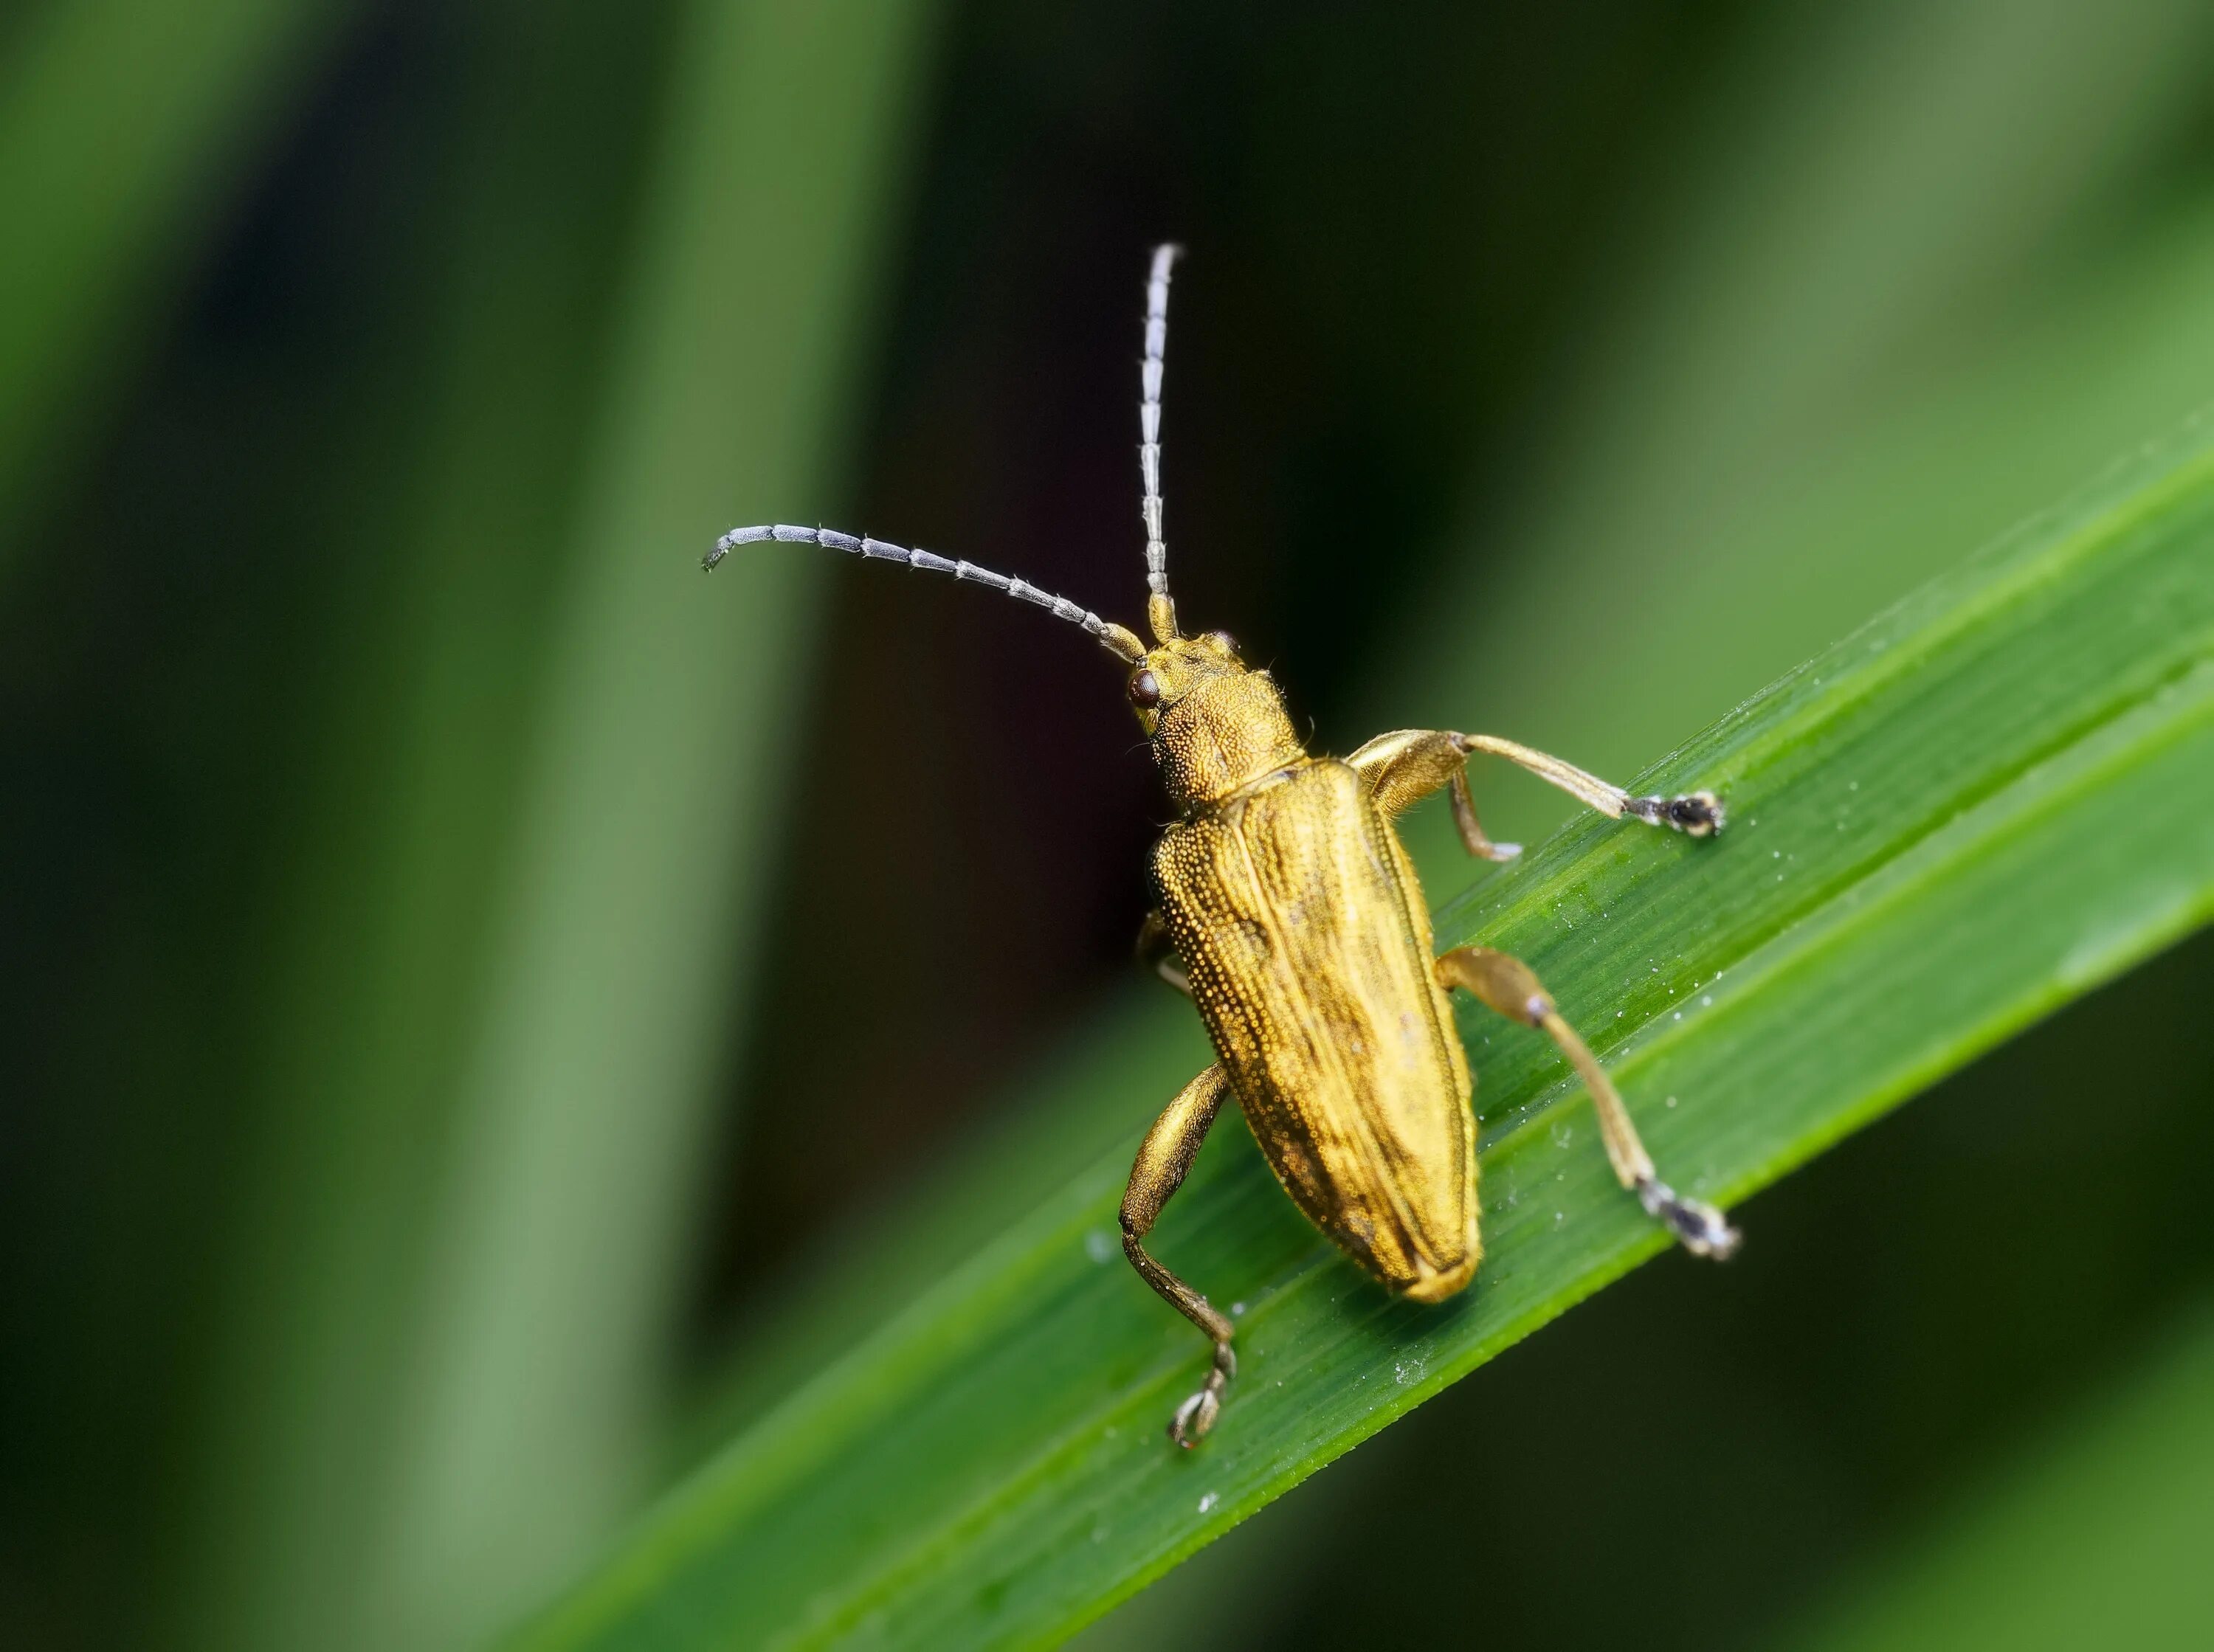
[(121, 120), (1889, 308), (616, 988), (509, 975), (1991, 799), (2095, 1538)]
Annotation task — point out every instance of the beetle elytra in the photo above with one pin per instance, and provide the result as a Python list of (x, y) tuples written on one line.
[(1289, 912)]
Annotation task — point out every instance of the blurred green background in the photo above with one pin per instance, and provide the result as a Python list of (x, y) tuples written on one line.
[(463, 971)]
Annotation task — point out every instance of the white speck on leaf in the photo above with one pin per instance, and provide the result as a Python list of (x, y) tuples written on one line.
[(1208, 1502), (1097, 1245)]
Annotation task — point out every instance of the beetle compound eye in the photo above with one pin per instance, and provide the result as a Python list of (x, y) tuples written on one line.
[(1145, 689), (1223, 641)]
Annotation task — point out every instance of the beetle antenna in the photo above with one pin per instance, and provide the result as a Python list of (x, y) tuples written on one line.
[(1116, 639), (1160, 611)]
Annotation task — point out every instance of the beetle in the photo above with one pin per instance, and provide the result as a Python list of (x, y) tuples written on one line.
[(1288, 911)]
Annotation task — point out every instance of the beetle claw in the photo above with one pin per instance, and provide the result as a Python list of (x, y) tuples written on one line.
[(1194, 1418), (1695, 814), (1196, 1415), (1702, 1230)]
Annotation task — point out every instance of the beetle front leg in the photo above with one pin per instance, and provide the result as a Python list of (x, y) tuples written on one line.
[(1163, 1160), (1405, 766), (1511, 987), (1155, 948)]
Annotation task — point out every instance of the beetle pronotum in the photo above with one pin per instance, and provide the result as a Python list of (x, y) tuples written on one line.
[(1298, 928)]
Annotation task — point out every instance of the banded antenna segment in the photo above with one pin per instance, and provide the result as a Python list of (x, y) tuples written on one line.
[(1160, 612), (1117, 640)]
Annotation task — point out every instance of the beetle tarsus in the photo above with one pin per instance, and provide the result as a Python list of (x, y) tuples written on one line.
[(1702, 1230), (1196, 1415), (1695, 814)]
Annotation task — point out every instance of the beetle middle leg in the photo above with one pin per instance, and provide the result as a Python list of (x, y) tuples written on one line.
[(1511, 987), (1155, 948), (1163, 1160), (1405, 766)]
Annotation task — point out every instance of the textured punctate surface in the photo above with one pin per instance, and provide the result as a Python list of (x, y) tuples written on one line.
[(1308, 947)]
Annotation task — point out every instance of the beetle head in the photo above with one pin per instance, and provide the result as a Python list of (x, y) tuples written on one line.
[(1214, 724)]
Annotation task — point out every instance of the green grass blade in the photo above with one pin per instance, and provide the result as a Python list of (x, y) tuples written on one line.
[(1993, 798)]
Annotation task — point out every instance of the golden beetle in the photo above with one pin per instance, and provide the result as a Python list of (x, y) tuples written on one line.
[(1304, 938)]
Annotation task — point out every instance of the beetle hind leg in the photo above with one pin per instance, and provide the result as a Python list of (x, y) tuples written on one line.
[(1163, 1160), (1511, 987)]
